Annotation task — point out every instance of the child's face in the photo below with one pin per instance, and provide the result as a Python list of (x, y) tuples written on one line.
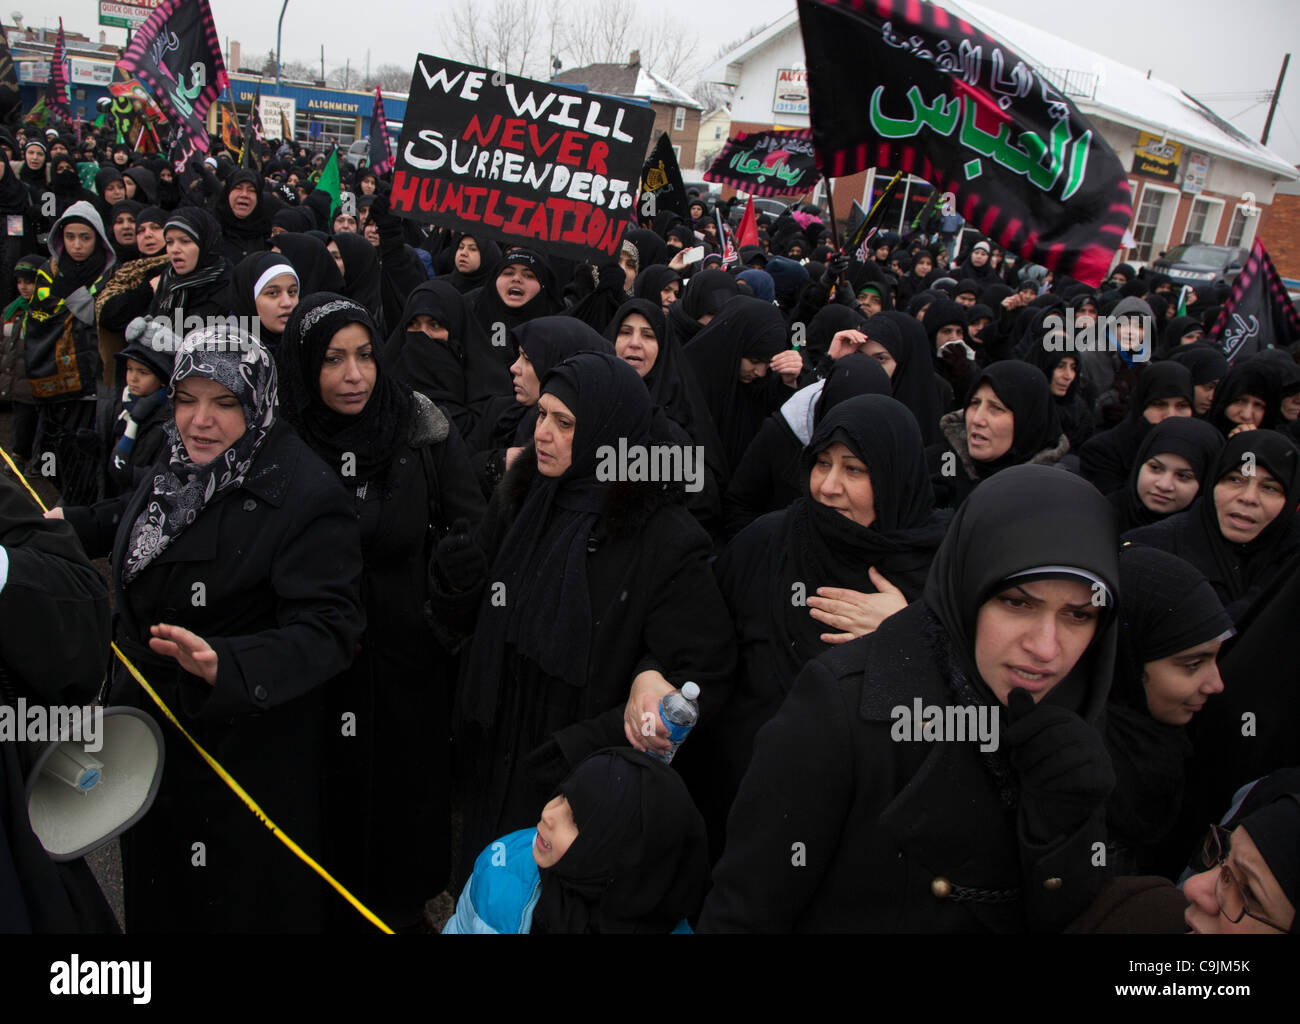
[(140, 380), (26, 287)]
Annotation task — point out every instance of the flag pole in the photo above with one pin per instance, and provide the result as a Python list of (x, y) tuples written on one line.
[(835, 228)]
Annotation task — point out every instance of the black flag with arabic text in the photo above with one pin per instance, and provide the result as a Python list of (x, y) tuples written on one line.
[(176, 53), (661, 177), (1258, 314), (767, 163), (909, 86)]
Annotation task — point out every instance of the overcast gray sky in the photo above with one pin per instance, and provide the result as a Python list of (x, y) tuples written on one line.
[(1206, 47)]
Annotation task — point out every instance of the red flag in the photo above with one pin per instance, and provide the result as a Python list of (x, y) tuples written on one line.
[(747, 233), (381, 151)]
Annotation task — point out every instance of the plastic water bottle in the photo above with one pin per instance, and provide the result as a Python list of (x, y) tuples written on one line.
[(679, 713)]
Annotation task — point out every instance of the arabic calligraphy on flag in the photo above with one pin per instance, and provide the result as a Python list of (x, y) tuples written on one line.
[(767, 163), (908, 86), (1258, 313), (177, 55)]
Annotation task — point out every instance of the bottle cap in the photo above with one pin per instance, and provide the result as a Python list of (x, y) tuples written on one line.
[(691, 691)]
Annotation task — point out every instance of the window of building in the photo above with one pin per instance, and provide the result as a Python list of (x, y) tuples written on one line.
[(1203, 222), (717, 133), (677, 152), (679, 119), (1241, 232), (1154, 222)]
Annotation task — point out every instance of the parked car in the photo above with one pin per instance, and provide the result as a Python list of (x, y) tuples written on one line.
[(1196, 263)]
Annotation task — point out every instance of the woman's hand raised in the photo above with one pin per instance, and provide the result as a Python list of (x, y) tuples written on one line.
[(194, 654), (641, 722), (853, 611)]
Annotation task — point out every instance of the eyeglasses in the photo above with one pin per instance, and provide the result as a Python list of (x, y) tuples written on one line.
[(1228, 892)]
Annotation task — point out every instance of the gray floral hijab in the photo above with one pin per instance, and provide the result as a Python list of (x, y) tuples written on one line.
[(243, 367)]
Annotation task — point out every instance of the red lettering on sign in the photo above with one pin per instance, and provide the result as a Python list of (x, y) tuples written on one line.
[(512, 135), (450, 198), (537, 224), (515, 225), (404, 189), (490, 216), (540, 147), (476, 128), (428, 194), (571, 148), (469, 202), (595, 227), (596, 158)]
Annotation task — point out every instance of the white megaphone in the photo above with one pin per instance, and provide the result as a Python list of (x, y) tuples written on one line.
[(77, 801)]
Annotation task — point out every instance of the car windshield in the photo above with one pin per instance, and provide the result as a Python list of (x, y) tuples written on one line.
[(1198, 255)]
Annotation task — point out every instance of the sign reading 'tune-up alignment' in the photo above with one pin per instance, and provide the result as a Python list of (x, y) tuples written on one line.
[(520, 161)]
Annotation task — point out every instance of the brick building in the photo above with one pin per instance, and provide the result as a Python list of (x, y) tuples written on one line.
[(1194, 176), (675, 111)]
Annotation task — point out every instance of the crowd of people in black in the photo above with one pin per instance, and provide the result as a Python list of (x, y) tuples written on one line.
[(351, 477)]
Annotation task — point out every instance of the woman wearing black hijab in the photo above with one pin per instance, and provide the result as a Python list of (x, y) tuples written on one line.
[(1065, 380), (197, 281), (606, 586), (865, 523), (318, 271), (948, 835), (619, 850), (1247, 397), (1172, 462), (407, 473), (1208, 366), (507, 423), (651, 249), (439, 351), (474, 259), (912, 375), (1009, 420), (265, 289), (773, 474), (245, 221), (1243, 528), (361, 275), (1163, 390), (1171, 627), (730, 358), (522, 287), (121, 229), (703, 298), (661, 285)]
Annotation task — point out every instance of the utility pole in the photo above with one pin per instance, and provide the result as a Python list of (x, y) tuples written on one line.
[(279, 29), (322, 63), (1277, 91), (347, 72)]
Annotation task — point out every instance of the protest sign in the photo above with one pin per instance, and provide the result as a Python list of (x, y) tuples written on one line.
[(523, 162)]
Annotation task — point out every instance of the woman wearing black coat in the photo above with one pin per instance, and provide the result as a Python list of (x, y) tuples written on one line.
[(865, 523), (577, 591), (1011, 416), (845, 822), (405, 468), (1163, 390), (772, 474), (1243, 528), (236, 571), (1172, 462)]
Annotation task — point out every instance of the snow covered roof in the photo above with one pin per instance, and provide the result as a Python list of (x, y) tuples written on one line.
[(1095, 83), (630, 80)]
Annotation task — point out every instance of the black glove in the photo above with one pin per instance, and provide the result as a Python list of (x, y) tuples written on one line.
[(1065, 772), (459, 559), (379, 211), (835, 266)]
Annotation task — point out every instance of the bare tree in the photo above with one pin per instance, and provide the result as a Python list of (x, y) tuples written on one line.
[(670, 51), (499, 35), (391, 77)]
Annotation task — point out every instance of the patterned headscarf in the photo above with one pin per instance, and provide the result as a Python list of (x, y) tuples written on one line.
[(243, 367)]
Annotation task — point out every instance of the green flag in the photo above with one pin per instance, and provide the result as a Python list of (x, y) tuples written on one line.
[(329, 182)]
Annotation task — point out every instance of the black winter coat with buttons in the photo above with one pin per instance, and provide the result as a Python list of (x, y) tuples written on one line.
[(269, 575), (838, 828)]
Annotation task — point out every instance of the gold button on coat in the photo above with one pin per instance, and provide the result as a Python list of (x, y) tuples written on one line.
[(941, 887)]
